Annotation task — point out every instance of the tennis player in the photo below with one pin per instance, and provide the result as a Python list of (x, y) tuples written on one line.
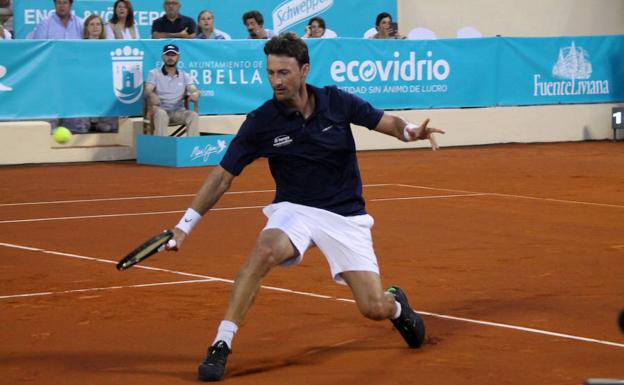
[(305, 133)]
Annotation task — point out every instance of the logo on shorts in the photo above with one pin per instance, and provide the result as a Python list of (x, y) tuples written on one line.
[(282, 140), (127, 74)]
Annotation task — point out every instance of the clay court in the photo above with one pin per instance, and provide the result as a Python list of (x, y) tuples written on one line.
[(513, 254)]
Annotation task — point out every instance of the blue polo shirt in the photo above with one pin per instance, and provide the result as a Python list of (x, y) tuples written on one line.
[(312, 160)]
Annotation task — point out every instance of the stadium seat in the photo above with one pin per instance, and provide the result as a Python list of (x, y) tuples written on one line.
[(148, 113), (329, 34), (421, 33), (370, 33), (468, 32)]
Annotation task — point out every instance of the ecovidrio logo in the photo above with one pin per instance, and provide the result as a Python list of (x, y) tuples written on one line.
[(408, 69)]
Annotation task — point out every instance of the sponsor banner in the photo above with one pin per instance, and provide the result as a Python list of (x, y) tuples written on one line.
[(49, 79), (579, 69), (65, 78), (280, 15), (182, 152), (414, 74)]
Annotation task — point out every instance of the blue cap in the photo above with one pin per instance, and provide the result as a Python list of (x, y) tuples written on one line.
[(171, 48)]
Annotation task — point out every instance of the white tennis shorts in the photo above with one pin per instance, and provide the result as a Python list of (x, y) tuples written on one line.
[(346, 242)]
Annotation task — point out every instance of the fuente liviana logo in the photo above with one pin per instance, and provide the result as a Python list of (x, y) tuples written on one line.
[(574, 70), (127, 74)]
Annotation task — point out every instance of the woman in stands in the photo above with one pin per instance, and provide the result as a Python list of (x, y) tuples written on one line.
[(206, 28), (316, 29), (122, 25), (93, 28), (385, 28)]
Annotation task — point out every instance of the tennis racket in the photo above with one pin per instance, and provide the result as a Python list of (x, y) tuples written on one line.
[(145, 250)]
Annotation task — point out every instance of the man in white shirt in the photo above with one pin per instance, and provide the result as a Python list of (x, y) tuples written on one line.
[(62, 24)]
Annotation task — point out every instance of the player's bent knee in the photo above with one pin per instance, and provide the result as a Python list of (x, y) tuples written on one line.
[(375, 310), (266, 255)]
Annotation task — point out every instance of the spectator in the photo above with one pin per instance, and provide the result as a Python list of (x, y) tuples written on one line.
[(165, 90), (93, 29), (4, 34), (122, 25), (6, 17), (386, 29), (206, 29), (172, 24), (62, 24), (254, 21), (316, 29)]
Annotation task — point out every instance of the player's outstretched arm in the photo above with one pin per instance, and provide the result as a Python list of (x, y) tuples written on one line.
[(407, 132), (216, 184)]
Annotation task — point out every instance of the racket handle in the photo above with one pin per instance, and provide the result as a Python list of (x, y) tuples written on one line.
[(169, 245)]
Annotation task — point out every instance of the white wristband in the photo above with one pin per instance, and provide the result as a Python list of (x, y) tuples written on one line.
[(406, 134), (188, 221)]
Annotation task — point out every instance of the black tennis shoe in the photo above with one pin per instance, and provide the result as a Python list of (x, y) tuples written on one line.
[(213, 366), (409, 323)]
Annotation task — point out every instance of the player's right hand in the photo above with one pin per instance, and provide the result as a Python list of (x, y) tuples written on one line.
[(177, 240)]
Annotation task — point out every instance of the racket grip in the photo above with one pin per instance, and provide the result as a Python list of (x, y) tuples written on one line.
[(169, 245)]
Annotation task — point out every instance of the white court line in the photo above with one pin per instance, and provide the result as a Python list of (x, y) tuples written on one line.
[(44, 293), (150, 197), (122, 215), (314, 295), (426, 197), (516, 196), (213, 209), (124, 198)]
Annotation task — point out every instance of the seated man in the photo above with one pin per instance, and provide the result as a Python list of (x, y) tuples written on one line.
[(173, 25), (254, 22), (165, 90)]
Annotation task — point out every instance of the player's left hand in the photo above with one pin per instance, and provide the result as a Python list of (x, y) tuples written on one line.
[(422, 132)]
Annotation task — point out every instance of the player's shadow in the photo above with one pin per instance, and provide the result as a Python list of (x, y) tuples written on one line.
[(306, 357), (110, 363)]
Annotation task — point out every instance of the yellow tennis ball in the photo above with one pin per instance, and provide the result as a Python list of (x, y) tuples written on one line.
[(61, 135)]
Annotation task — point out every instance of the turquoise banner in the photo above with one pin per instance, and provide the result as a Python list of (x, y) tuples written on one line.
[(414, 74), (289, 15), (48, 79), (182, 152), (579, 69)]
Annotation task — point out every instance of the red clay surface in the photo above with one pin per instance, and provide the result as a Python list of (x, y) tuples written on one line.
[(524, 235)]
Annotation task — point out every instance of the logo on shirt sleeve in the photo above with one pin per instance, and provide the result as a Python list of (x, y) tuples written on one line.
[(282, 140)]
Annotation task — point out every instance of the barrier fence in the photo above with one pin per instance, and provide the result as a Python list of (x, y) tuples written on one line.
[(47, 79)]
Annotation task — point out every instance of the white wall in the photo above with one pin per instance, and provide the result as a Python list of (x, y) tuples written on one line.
[(513, 17)]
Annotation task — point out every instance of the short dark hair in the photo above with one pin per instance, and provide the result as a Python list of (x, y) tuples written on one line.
[(288, 44), (382, 16), (257, 16), (318, 20), (70, 1)]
